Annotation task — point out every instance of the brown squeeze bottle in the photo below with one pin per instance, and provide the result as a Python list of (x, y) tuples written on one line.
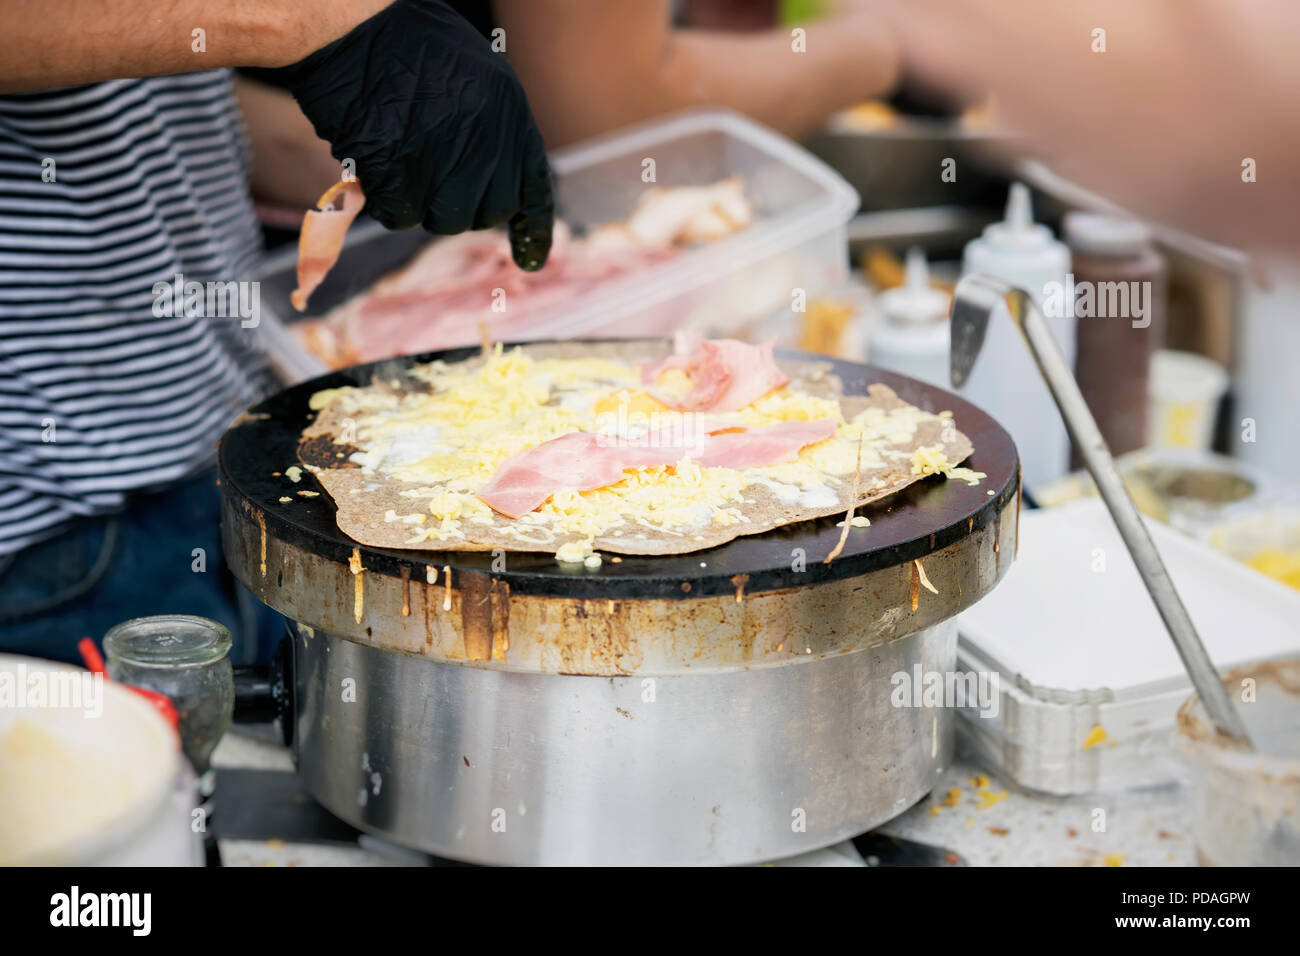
[(1119, 298)]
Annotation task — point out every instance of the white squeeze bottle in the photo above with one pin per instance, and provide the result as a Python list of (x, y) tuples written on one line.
[(1005, 381), (909, 333)]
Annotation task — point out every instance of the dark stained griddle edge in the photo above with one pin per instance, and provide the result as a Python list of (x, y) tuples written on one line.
[(924, 517)]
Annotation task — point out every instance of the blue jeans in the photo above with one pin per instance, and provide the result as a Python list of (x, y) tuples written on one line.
[(143, 560)]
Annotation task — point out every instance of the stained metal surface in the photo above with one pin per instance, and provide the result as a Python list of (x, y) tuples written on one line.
[(490, 766), (480, 619), (761, 600)]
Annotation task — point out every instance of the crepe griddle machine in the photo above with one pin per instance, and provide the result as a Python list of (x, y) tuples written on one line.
[(743, 703)]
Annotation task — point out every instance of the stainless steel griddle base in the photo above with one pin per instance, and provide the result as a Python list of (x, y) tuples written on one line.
[(724, 706), (489, 766)]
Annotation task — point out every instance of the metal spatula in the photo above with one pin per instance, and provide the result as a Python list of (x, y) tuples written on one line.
[(975, 300)]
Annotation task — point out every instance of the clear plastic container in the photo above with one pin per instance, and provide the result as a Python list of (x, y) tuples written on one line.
[(797, 240), (1246, 805)]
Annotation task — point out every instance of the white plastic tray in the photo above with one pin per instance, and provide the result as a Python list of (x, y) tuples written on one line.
[(1077, 643)]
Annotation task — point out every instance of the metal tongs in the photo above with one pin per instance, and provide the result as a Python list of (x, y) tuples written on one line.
[(975, 300)]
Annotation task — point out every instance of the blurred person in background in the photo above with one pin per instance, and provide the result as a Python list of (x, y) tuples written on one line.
[(1179, 110), (594, 65)]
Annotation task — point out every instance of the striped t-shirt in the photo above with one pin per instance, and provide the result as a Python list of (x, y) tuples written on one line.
[(105, 191)]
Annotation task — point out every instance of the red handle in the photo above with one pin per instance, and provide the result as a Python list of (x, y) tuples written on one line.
[(90, 654), (160, 702)]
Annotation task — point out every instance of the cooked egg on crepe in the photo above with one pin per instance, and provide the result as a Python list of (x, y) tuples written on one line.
[(629, 447)]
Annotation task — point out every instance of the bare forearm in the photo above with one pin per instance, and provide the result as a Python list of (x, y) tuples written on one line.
[(594, 65), (44, 45), (763, 76)]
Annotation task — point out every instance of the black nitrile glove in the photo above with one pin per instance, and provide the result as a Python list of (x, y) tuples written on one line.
[(437, 123)]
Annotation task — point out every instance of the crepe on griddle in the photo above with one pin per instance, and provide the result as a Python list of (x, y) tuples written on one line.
[(388, 456)]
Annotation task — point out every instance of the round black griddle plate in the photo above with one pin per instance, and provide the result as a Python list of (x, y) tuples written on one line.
[(926, 516)]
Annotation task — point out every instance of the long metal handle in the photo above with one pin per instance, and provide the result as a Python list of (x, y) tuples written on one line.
[(974, 302)]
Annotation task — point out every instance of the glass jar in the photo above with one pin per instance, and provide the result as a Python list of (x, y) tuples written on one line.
[(186, 658)]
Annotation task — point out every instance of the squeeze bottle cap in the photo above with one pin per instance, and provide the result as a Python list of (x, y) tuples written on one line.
[(1017, 230), (915, 300)]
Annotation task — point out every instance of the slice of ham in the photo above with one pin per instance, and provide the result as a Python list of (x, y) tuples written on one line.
[(754, 447), (582, 461), (726, 374), (524, 481), (321, 238)]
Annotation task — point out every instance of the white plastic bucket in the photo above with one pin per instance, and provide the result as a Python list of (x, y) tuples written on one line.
[(90, 774)]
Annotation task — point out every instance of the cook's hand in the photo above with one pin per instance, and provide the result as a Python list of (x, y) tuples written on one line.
[(436, 122)]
